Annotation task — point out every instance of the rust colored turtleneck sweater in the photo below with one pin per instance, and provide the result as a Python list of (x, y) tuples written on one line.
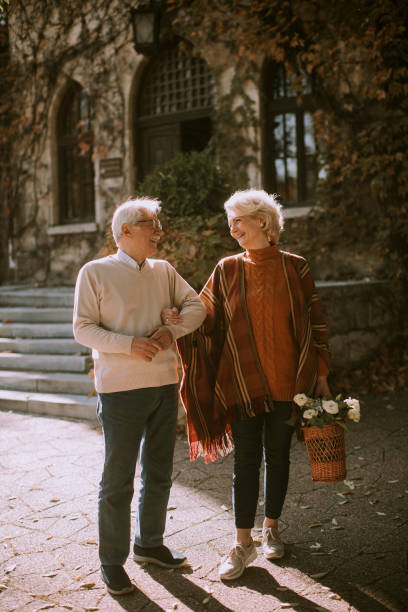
[(269, 311)]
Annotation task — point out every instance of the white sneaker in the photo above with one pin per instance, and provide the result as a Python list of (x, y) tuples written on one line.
[(272, 545), (235, 562)]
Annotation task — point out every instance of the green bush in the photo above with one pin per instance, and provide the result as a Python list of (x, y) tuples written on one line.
[(189, 184), (194, 244)]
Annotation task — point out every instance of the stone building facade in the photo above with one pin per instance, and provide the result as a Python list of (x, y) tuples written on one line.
[(98, 115)]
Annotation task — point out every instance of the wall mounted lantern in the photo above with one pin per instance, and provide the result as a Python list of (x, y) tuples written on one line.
[(146, 27)]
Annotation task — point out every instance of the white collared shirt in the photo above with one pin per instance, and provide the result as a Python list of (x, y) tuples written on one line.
[(127, 259)]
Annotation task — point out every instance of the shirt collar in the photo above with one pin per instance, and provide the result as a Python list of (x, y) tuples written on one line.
[(125, 258)]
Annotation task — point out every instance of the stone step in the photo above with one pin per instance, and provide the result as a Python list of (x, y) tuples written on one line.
[(55, 346), (61, 405), (46, 382), (50, 363), (34, 315), (35, 330), (46, 297)]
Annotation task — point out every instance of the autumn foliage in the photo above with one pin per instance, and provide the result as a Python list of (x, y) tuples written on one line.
[(354, 57)]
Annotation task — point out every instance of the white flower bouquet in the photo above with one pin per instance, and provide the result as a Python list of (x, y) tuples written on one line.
[(318, 412)]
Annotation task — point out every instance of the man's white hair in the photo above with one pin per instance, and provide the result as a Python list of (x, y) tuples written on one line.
[(256, 202), (131, 212)]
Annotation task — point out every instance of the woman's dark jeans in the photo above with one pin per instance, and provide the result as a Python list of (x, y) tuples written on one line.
[(267, 433)]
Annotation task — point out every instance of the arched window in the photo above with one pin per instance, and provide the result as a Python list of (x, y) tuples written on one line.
[(174, 107), (75, 166), (290, 160)]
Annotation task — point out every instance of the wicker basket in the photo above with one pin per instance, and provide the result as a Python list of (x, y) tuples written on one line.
[(327, 455)]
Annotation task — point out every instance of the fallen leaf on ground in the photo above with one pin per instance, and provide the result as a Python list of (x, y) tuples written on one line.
[(87, 585), (319, 575), (313, 525), (349, 484)]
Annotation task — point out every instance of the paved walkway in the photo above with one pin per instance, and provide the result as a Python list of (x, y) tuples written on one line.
[(347, 542)]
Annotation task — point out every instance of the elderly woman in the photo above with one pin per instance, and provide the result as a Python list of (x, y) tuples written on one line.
[(263, 341)]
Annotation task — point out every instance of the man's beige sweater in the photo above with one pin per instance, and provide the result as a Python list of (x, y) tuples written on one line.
[(115, 302)]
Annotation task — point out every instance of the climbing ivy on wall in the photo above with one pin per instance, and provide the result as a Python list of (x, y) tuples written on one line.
[(355, 59), (47, 41)]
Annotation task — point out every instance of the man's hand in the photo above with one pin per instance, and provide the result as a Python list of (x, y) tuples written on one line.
[(145, 348), (322, 387), (163, 336), (170, 316)]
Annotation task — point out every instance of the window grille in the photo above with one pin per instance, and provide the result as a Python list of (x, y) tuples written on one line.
[(177, 81), (76, 173), (291, 152)]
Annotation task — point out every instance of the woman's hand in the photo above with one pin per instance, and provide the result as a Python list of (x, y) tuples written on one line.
[(322, 387), (170, 316)]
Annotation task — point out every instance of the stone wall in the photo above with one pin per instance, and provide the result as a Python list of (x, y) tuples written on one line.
[(361, 315)]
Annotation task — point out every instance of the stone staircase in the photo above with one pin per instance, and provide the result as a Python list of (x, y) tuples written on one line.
[(43, 369)]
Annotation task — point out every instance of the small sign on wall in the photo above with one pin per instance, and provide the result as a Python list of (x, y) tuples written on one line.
[(110, 168)]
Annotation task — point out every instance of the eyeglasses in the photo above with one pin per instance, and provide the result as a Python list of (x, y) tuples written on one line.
[(154, 223)]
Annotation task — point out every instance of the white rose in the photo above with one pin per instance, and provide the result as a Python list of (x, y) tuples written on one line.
[(300, 399), (310, 413), (330, 406), (352, 403), (354, 414)]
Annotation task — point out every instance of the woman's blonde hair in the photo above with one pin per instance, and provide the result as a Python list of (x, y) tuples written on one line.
[(256, 202)]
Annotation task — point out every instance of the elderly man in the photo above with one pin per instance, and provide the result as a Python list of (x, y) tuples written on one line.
[(118, 301)]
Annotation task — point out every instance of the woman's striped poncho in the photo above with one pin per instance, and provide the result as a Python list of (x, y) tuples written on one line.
[(223, 379)]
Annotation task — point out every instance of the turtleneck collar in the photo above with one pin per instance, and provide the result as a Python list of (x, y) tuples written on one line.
[(262, 255)]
